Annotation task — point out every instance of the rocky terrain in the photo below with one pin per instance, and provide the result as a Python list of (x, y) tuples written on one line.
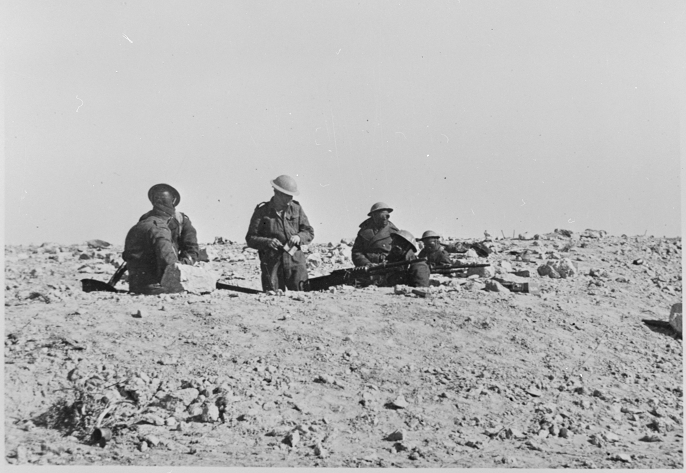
[(471, 375)]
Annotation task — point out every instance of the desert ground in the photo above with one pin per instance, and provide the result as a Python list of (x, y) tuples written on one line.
[(569, 377)]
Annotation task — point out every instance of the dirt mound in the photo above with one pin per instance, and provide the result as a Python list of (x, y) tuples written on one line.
[(464, 377)]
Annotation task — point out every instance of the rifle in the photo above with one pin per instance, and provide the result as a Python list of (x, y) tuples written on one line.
[(93, 285), (451, 268), (349, 276)]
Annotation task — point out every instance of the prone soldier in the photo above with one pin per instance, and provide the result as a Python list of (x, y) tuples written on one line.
[(433, 251)]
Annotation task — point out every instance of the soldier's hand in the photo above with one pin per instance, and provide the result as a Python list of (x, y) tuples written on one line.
[(275, 244), (186, 260), (294, 240)]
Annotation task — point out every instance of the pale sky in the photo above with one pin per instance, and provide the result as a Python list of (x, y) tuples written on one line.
[(464, 116)]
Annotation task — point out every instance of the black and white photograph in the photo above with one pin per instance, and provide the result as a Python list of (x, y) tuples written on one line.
[(437, 234)]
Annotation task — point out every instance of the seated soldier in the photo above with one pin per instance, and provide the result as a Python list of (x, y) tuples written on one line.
[(185, 239), (404, 249), (149, 249), (433, 251), (373, 242)]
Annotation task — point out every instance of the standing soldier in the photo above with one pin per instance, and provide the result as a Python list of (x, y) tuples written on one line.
[(277, 230), (373, 242), (433, 251)]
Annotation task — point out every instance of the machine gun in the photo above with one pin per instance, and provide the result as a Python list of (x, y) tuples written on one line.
[(350, 276), (452, 268)]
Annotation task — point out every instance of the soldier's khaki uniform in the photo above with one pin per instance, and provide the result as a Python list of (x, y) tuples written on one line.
[(280, 270), (149, 249), (372, 245)]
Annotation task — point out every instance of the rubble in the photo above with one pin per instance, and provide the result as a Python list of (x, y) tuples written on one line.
[(675, 317)]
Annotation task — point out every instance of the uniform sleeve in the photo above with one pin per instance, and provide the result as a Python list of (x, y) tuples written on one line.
[(419, 274), (305, 230), (252, 238), (164, 248), (358, 256), (188, 241), (442, 258)]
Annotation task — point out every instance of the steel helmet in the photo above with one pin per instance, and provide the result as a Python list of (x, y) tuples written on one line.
[(430, 234), (379, 206), (285, 184), (407, 236), (164, 187)]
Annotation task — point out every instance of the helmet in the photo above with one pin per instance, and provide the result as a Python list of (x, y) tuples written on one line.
[(285, 184), (164, 187), (430, 234), (407, 236), (379, 206)]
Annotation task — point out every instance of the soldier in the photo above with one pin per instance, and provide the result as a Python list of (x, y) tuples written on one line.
[(277, 230), (149, 247), (186, 239), (433, 251), (373, 242), (404, 249)]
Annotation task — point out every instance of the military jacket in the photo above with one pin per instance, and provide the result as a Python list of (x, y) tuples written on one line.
[(266, 224), (184, 236), (149, 248), (417, 275), (436, 257), (372, 246)]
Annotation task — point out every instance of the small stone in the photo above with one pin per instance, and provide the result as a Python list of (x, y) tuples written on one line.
[(650, 438), (141, 314), (320, 451), (186, 396), (400, 402), (22, 454), (195, 410), (534, 391), (171, 421), (395, 436), (143, 446), (210, 413), (564, 433), (624, 457), (293, 438), (152, 440)]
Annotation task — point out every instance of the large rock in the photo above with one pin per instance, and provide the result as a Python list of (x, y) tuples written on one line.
[(563, 268), (675, 317), (195, 279), (186, 396)]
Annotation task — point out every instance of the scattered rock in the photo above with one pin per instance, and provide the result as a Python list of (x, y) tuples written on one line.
[(141, 314), (293, 438), (624, 457), (395, 436), (186, 396), (22, 454), (399, 402), (210, 413)]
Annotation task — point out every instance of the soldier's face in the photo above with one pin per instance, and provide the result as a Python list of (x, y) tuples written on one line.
[(431, 243), (400, 247), (283, 199), (381, 218), (164, 198)]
